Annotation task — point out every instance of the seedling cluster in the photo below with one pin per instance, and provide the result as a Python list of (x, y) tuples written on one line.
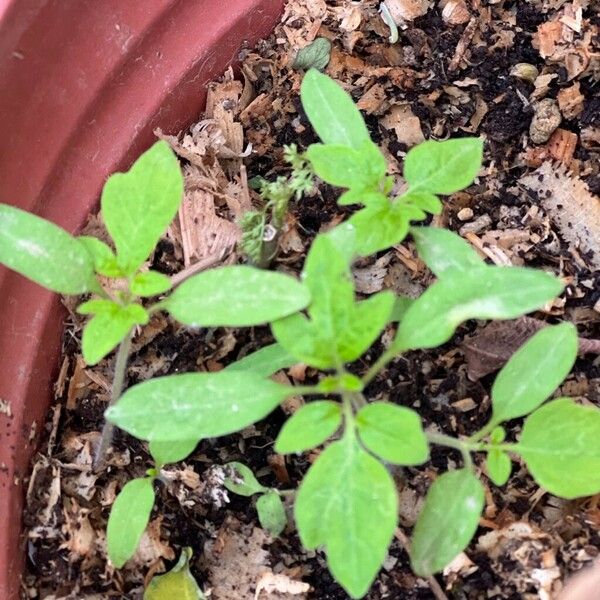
[(347, 503)]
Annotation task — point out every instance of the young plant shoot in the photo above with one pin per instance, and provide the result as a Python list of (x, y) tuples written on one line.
[(347, 503)]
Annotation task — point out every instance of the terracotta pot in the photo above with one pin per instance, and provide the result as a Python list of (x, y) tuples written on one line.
[(84, 84)]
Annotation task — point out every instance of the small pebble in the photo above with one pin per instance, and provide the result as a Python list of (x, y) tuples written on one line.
[(465, 214), (546, 120), (479, 224)]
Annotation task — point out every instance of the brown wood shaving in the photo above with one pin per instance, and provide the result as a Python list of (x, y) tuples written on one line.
[(571, 206), (463, 44)]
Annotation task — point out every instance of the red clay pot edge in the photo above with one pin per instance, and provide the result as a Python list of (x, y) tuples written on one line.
[(84, 86)]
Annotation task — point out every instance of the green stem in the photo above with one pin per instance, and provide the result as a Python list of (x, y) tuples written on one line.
[(306, 389), (463, 447), (116, 391), (379, 364), (483, 432)]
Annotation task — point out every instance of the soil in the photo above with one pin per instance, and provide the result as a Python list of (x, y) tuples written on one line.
[(528, 541)]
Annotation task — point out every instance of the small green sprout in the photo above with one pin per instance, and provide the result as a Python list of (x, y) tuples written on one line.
[(261, 228), (269, 504), (347, 503)]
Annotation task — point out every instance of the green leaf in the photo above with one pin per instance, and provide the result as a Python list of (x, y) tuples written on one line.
[(534, 371), (264, 362), (241, 480), (482, 293), (196, 405), (447, 522), (236, 296), (177, 584), (128, 519), (401, 305), (339, 329), (361, 196), (561, 446), (394, 433), (107, 328), (331, 111), (423, 200), (343, 237), (271, 513), (166, 453), (347, 503), (308, 427), (379, 226), (139, 205), (150, 283), (445, 252), (314, 56), (105, 261), (44, 253), (443, 167), (346, 167), (498, 466)]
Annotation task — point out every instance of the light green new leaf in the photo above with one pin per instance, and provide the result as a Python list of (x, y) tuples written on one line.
[(483, 293), (380, 225), (369, 318), (271, 513), (305, 340), (150, 283), (447, 522), (360, 196), (561, 446), (241, 480), (105, 261), (444, 251), (339, 328), (196, 405), (264, 362), (139, 205), (423, 200), (394, 433), (314, 56), (44, 253), (361, 169), (177, 584), (236, 296), (309, 427), (347, 503), (331, 111), (499, 466), (128, 519), (166, 453), (443, 167), (534, 371), (109, 325)]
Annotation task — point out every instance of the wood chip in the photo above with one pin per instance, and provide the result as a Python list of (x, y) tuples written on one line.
[(571, 206)]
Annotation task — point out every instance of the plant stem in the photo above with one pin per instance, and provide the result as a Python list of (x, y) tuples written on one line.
[(379, 364), (479, 435), (464, 448), (116, 391), (436, 589)]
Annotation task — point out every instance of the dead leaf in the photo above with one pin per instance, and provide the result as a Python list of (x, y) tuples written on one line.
[(370, 280), (489, 348), (407, 10), (405, 124)]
